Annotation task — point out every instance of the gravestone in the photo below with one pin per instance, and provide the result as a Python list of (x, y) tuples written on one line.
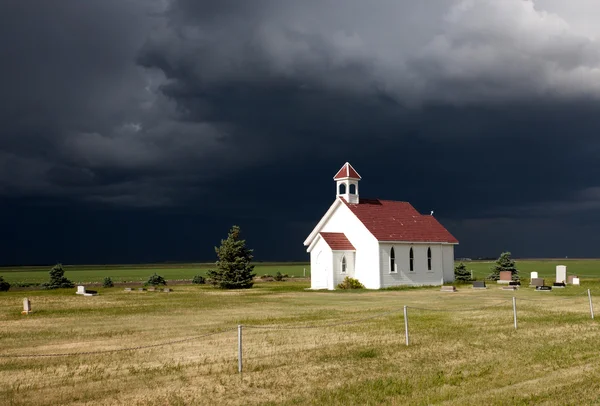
[(80, 290), (534, 275), (166, 290), (510, 287), (505, 277), (570, 279), (561, 273), (141, 289), (514, 283), (558, 285), (543, 288), (537, 282), (576, 281), (151, 289), (448, 289), (90, 293), (26, 306), (479, 285), (127, 289)]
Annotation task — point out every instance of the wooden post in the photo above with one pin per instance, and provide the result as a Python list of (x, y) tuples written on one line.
[(515, 310), (406, 324), (591, 305), (240, 348)]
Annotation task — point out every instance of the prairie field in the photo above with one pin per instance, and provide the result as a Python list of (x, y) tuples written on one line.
[(300, 346)]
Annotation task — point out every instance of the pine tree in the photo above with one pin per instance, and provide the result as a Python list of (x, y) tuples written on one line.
[(504, 263), (233, 267), (57, 279), (461, 274)]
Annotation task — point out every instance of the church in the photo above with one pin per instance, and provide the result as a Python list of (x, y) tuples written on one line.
[(381, 243)]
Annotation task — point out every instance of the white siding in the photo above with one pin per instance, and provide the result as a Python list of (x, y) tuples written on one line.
[(448, 252), (338, 276), (421, 275), (367, 248), (320, 265)]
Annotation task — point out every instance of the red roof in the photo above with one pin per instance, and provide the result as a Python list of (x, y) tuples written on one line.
[(398, 221), (347, 171), (338, 241)]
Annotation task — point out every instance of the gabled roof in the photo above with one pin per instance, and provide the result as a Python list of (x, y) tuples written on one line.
[(347, 171), (399, 221), (337, 241)]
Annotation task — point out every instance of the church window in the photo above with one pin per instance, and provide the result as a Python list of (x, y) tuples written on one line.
[(392, 260), (429, 259), (411, 260), (344, 264), (342, 189)]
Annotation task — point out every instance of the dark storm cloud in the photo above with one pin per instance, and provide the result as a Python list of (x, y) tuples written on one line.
[(482, 110)]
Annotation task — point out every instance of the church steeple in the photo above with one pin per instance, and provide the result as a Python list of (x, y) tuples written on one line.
[(347, 183)]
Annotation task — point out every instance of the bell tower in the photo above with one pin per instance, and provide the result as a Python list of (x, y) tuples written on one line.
[(347, 183)]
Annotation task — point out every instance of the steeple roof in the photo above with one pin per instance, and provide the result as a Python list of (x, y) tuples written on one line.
[(346, 172)]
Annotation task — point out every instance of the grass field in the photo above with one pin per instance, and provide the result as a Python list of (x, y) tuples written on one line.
[(464, 348), (136, 273)]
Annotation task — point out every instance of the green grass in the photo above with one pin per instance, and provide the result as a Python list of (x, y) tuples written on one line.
[(136, 273), (546, 268)]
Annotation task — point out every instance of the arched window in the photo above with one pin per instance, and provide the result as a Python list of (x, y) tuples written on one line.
[(411, 259), (344, 264), (429, 259), (352, 189), (342, 189), (392, 260)]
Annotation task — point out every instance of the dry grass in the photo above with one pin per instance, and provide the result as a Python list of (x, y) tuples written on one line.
[(455, 357)]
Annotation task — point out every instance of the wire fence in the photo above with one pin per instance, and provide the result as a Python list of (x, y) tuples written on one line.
[(267, 328)]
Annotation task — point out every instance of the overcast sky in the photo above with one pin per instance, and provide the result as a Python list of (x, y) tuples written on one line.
[(141, 130)]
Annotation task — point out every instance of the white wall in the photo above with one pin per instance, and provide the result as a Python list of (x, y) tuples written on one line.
[(448, 252), (367, 247), (403, 276), (338, 276), (320, 265)]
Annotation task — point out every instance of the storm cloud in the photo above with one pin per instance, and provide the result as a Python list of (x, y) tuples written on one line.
[(483, 110)]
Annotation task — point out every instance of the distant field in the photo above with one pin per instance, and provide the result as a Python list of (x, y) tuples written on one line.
[(137, 273)]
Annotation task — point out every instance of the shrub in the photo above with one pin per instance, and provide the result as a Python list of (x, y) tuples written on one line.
[(4, 286), (156, 280), (57, 279), (108, 283), (350, 283), (265, 276), (278, 276), (461, 274), (199, 280)]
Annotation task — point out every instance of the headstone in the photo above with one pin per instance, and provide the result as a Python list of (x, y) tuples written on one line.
[(558, 285), (151, 289), (26, 306), (479, 285), (561, 273), (127, 289), (576, 281), (537, 282), (505, 277), (510, 287), (570, 279), (514, 283), (543, 288), (448, 289), (534, 275), (80, 290), (90, 293), (141, 289), (166, 290)]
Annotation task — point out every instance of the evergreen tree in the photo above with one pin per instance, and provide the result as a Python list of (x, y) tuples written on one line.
[(461, 274), (4, 285), (504, 263), (57, 279), (233, 267)]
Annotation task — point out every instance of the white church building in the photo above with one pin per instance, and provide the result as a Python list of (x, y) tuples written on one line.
[(381, 243)]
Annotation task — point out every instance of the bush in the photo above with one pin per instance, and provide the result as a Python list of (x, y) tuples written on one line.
[(266, 276), (156, 280), (4, 286), (199, 280), (350, 283), (108, 283), (278, 276), (57, 279)]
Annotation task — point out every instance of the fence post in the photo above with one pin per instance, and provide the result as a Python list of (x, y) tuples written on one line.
[(515, 310), (305, 272), (406, 323), (591, 305), (240, 348)]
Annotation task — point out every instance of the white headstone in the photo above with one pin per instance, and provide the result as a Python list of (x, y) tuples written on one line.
[(534, 275), (561, 273), (80, 290), (26, 306), (576, 281)]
